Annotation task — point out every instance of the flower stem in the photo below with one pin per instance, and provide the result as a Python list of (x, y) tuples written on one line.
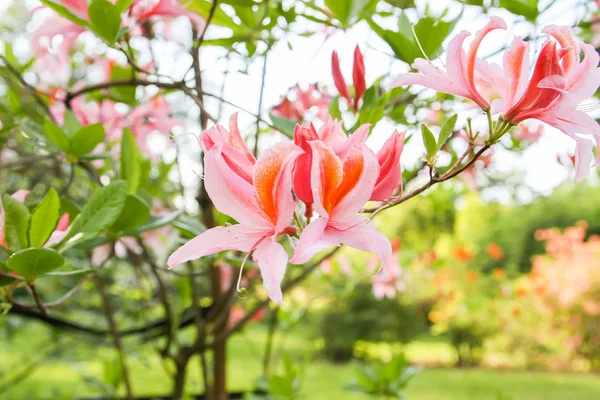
[(298, 222)]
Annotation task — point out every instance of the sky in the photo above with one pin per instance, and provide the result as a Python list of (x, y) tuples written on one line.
[(310, 61)]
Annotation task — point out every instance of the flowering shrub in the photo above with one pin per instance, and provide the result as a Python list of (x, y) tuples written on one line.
[(95, 92)]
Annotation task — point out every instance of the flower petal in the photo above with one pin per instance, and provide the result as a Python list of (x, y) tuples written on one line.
[(302, 187), (234, 237), (326, 175), (272, 260), (338, 78), (390, 174), (360, 172), (358, 232), (230, 193), (358, 76), (311, 241), (585, 154), (273, 183)]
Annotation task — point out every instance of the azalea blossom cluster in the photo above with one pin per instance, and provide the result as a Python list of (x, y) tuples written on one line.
[(551, 92), (324, 171), (54, 57), (155, 115)]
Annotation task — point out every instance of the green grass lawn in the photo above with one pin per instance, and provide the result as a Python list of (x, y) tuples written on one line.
[(322, 380)]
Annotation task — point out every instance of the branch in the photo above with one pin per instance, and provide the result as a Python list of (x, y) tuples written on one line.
[(433, 180), (112, 323), (27, 86), (286, 287), (37, 299)]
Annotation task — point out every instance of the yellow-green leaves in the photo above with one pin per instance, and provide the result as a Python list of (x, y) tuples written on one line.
[(73, 139), (131, 161), (34, 262), (105, 19), (44, 219)]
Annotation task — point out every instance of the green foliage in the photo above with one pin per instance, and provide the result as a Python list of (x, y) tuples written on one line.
[(388, 380), (513, 228), (283, 125), (44, 219), (347, 11), (34, 262), (135, 213), (100, 212), (430, 144), (56, 135), (16, 223), (527, 8), (352, 318), (64, 12), (86, 139), (105, 19), (286, 385), (431, 33), (131, 162), (74, 139), (446, 130)]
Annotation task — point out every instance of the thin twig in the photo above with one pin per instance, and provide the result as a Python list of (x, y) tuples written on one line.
[(112, 323), (27, 86), (260, 102), (37, 299)]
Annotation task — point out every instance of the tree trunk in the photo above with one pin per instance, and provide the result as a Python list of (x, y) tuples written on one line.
[(220, 348), (179, 382)]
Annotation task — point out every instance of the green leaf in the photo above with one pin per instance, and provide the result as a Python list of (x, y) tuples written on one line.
[(155, 222), (6, 280), (71, 124), (100, 212), (346, 10), (135, 213), (283, 125), (86, 139), (34, 262), (105, 19), (429, 141), (220, 18), (16, 222), (123, 5), (431, 33), (44, 219), (126, 94), (56, 135), (75, 272), (334, 110), (526, 8), (64, 12), (189, 226), (131, 169), (446, 130)]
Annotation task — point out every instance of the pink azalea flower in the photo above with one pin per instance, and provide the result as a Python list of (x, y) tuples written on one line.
[(235, 152), (56, 237), (144, 9), (529, 132), (341, 186), (389, 280), (390, 174), (263, 207), (52, 61), (332, 135), (153, 116), (358, 78), (560, 81), (459, 79), (304, 101)]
